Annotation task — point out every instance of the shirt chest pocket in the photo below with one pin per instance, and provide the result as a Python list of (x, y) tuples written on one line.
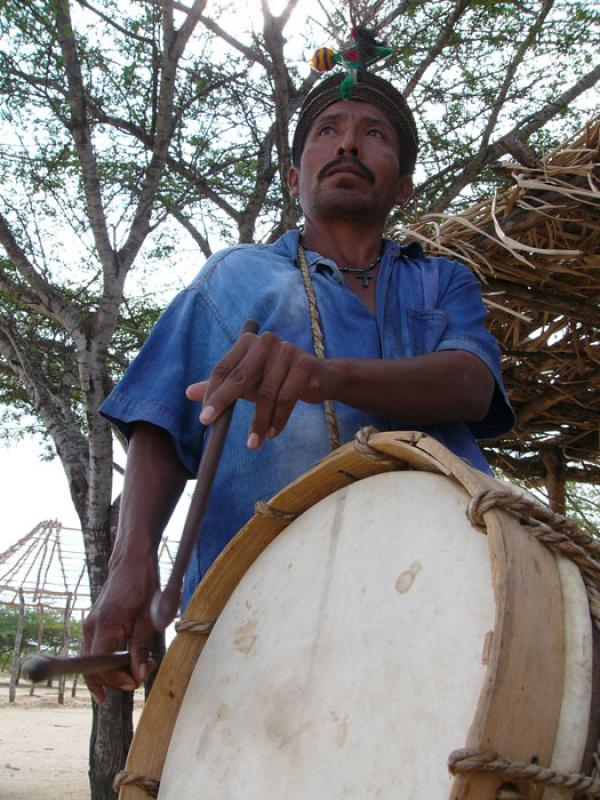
[(427, 328)]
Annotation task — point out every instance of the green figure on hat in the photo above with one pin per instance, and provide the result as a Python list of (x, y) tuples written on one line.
[(365, 51)]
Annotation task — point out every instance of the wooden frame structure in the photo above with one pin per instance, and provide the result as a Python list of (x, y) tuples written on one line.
[(45, 571)]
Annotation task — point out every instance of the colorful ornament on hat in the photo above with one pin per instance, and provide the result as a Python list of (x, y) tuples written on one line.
[(365, 51), (323, 59)]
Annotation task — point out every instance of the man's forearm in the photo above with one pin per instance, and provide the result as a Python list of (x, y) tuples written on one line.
[(448, 386), (154, 481), (438, 387)]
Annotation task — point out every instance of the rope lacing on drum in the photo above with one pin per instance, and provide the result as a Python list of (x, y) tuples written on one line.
[(126, 778), (553, 530), (526, 507), (266, 510), (465, 761), (194, 626), (362, 446)]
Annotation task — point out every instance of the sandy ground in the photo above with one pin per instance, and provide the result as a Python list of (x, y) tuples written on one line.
[(44, 746)]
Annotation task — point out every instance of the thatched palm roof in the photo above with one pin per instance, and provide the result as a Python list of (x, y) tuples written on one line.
[(536, 248)]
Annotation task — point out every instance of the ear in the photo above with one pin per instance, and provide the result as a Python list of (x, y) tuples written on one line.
[(404, 190), (293, 180)]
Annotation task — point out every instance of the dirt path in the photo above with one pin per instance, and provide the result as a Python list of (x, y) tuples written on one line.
[(44, 748)]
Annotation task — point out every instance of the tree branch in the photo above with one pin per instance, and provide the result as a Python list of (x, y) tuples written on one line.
[(55, 413), (264, 176), (443, 40), (511, 71), (44, 294), (188, 225), (111, 21), (522, 130), (253, 54), (173, 46), (273, 33), (184, 170), (80, 130)]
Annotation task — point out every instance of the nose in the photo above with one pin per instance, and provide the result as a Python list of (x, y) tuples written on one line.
[(348, 143)]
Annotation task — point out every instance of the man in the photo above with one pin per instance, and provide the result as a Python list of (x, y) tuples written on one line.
[(405, 347)]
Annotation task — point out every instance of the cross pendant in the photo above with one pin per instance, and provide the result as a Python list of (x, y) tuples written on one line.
[(365, 279)]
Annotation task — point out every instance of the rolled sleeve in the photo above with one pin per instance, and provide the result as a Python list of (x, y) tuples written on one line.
[(180, 350)]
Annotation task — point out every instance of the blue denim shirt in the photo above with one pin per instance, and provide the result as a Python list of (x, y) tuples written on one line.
[(422, 305)]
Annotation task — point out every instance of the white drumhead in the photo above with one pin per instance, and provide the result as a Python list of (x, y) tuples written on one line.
[(349, 660)]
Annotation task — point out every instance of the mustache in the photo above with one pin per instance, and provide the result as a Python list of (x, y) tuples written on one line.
[(337, 162)]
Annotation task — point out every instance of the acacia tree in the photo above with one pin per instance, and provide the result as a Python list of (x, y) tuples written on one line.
[(129, 130), (53, 633)]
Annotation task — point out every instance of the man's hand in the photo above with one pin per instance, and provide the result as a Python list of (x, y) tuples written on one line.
[(154, 481), (122, 614), (269, 372), (447, 386)]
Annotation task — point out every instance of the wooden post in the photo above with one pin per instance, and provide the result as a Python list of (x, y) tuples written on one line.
[(65, 650), (14, 673), (40, 638), (553, 461)]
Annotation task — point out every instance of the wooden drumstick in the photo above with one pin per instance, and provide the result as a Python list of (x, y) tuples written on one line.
[(40, 668), (164, 605)]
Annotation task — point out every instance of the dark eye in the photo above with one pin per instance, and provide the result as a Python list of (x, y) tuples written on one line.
[(375, 132), (325, 130)]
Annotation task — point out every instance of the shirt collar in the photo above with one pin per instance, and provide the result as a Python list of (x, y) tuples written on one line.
[(288, 245)]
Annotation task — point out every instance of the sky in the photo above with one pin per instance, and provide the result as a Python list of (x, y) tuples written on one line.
[(34, 490)]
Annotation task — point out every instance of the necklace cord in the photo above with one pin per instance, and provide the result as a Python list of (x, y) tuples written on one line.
[(316, 328), (362, 273), (361, 270)]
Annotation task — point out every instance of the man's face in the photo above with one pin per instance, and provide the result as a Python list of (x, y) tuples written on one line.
[(349, 165)]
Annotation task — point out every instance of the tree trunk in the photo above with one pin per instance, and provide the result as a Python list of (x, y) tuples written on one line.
[(40, 637), (112, 730), (65, 649)]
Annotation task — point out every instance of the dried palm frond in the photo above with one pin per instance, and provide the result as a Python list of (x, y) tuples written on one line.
[(536, 248)]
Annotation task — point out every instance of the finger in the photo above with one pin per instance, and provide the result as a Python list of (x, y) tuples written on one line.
[(115, 679), (104, 640), (196, 391), (139, 648), (96, 687), (223, 370), (232, 379), (267, 394), (92, 680), (289, 393)]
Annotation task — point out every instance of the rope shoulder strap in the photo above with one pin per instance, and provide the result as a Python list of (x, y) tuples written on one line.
[(316, 328)]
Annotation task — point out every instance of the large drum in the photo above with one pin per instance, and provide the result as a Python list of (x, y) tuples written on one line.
[(382, 612)]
